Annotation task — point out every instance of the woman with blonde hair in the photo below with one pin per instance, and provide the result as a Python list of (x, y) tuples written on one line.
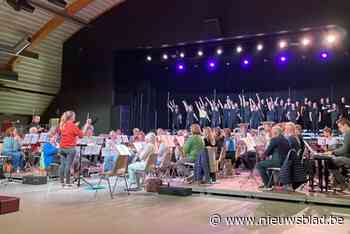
[(69, 131)]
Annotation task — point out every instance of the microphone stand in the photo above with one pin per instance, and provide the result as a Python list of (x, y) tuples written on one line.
[(80, 176)]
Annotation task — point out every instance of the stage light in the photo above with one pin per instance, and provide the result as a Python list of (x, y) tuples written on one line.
[(180, 67), (259, 47), (283, 59), (149, 58), (200, 53), (219, 51), (282, 44), (330, 38), (324, 55), (305, 41), (211, 64), (182, 55), (165, 56), (245, 62), (239, 49)]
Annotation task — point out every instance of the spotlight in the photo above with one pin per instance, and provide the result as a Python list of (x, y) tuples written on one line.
[(283, 59), (18, 5), (259, 47), (211, 64), (282, 44), (200, 53), (165, 56), (182, 55), (219, 51), (330, 38), (180, 67), (149, 58), (305, 41), (239, 49), (324, 55), (245, 62)]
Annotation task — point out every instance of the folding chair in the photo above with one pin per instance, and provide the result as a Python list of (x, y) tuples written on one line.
[(149, 169), (119, 171), (274, 171)]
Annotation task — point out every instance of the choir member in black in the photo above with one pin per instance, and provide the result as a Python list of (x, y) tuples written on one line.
[(226, 115), (203, 114), (176, 115), (245, 109), (271, 114), (256, 116), (279, 110), (293, 114), (323, 111), (190, 115), (288, 105), (215, 114), (234, 116), (328, 105), (344, 108), (334, 114), (315, 117), (306, 115)]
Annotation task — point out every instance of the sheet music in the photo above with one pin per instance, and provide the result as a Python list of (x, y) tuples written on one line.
[(123, 150), (30, 139), (125, 139), (138, 146), (44, 138)]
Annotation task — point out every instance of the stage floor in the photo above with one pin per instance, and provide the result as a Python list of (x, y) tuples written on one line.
[(242, 186), (51, 209)]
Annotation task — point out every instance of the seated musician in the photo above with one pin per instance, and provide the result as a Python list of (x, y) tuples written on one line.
[(161, 146), (342, 154), (247, 151), (109, 160), (278, 149), (50, 150), (290, 135), (140, 165), (330, 142), (135, 133), (88, 128), (12, 149)]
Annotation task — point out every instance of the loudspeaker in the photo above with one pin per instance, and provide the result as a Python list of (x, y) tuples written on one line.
[(121, 118), (176, 191)]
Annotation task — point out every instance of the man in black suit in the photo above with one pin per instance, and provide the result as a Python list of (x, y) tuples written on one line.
[(278, 150)]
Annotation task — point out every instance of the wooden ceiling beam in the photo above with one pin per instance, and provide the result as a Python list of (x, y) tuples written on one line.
[(50, 26)]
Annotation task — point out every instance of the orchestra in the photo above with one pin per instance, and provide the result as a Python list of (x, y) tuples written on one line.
[(201, 155)]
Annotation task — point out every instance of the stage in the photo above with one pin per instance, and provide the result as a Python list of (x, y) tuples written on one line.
[(52, 209), (241, 186)]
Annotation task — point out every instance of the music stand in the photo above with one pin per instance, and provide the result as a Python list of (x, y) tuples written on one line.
[(80, 176)]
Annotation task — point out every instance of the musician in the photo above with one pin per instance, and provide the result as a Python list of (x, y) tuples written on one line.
[(88, 128), (291, 136), (245, 105), (142, 156), (341, 155), (209, 141), (135, 133), (298, 132), (280, 110), (226, 115), (50, 150), (278, 149), (69, 132), (256, 116), (176, 115), (12, 149), (35, 123), (330, 142), (293, 114)]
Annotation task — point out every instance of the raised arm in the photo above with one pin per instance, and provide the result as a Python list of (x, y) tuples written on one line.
[(220, 104), (186, 105), (276, 101), (210, 103)]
